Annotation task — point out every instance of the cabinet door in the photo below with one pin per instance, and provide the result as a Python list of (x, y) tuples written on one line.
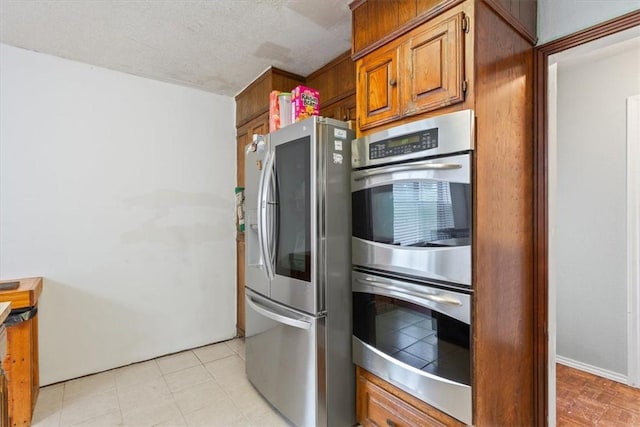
[(434, 73), (377, 407), (381, 404), (377, 88)]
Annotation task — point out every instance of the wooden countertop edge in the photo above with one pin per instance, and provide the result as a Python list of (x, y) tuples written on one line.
[(5, 309), (26, 295)]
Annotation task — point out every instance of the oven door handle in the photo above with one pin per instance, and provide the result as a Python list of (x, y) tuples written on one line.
[(360, 175), (437, 298)]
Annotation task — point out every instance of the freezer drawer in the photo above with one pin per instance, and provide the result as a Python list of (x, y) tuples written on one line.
[(282, 361)]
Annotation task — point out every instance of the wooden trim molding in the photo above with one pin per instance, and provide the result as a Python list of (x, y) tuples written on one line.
[(410, 25), (504, 13), (540, 196)]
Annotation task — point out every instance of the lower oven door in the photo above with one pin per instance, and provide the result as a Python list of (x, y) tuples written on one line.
[(415, 337)]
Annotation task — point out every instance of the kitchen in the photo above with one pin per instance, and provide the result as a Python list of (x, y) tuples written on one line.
[(143, 283)]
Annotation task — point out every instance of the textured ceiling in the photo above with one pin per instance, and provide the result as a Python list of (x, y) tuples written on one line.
[(218, 45)]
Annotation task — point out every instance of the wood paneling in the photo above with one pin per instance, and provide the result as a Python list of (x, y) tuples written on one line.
[(503, 310), (254, 99), (376, 22), (344, 110), (540, 196), (335, 80), (381, 404), (521, 14)]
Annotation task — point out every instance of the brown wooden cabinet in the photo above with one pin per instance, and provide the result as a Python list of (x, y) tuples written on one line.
[(344, 110), (253, 101), (377, 22), (336, 82), (421, 69), (21, 363), (381, 404), (434, 61), (377, 93)]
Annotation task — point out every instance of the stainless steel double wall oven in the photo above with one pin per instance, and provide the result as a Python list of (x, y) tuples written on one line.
[(411, 189)]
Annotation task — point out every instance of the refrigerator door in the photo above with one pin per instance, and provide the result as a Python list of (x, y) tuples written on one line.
[(256, 273), (282, 359), (295, 254)]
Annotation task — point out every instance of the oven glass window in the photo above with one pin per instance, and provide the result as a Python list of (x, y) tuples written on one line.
[(425, 339), (425, 213)]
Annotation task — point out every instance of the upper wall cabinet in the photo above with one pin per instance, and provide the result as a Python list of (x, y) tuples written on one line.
[(418, 72), (378, 87), (376, 22), (434, 60)]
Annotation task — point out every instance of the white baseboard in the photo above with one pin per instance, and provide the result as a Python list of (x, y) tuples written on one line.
[(614, 376)]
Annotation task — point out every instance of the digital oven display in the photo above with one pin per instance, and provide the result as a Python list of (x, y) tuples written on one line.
[(419, 141)]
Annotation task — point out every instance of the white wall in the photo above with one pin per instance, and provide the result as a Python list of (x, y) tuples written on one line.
[(559, 18), (118, 190), (590, 205)]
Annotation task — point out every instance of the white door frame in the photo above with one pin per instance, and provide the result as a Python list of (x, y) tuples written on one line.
[(552, 170), (633, 240)]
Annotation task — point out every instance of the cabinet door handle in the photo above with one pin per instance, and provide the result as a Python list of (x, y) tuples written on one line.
[(390, 423), (393, 82)]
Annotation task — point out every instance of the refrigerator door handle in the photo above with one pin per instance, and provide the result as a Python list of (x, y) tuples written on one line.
[(278, 317), (264, 224)]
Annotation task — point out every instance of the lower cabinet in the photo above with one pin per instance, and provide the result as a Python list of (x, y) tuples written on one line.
[(379, 404)]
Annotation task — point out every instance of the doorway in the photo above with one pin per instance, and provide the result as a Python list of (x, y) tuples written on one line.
[(550, 262)]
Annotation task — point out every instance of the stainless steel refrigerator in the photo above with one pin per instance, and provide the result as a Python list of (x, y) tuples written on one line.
[(298, 270)]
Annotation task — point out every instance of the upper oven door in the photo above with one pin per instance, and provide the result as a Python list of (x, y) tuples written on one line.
[(415, 218)]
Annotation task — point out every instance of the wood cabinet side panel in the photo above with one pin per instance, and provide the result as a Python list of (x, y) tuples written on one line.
[(283, 82), (503, 274), (383, 18), (359, 34), (520, 14), (240, 323), (19, 367), (346, 76)]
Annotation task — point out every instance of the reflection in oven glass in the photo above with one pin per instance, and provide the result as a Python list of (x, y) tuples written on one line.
[(420, 337)]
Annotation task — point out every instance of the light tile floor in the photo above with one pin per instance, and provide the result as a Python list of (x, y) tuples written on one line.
[(206, 386)]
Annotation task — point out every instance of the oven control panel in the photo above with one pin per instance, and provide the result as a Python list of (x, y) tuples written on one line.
[(405, 144)]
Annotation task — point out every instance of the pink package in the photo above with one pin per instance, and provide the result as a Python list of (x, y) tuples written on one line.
[(274, 111), (305, 102)]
